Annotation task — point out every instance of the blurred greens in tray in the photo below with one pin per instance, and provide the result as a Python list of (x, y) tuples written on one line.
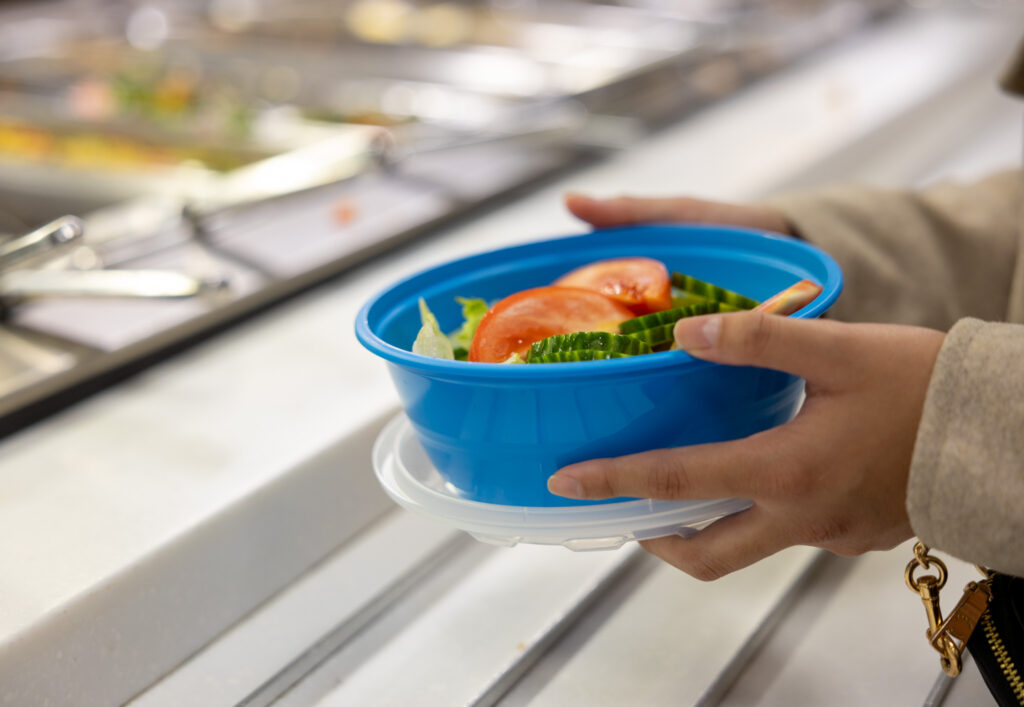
[(146, 115), (174, 98), (81, 147)]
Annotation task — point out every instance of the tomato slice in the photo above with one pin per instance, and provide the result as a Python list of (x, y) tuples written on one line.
[(642, 284), (531, 315)]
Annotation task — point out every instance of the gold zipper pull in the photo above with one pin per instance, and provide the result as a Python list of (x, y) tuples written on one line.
[(960, 624)]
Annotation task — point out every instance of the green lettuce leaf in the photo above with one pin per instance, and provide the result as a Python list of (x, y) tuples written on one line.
[(473, 310), (430, 341)]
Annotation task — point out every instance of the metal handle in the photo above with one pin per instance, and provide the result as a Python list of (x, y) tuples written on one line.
[(33, 284), (44, 240)]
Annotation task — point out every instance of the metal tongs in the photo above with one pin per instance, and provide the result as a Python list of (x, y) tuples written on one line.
[(20, 279), (41, 243)]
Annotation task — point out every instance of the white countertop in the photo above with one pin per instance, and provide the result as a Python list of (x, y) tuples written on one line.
[(139, 524)]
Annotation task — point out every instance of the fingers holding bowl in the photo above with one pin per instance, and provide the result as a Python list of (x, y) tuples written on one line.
[(813, 349), (630, 210), (727, 545), (717, 470)]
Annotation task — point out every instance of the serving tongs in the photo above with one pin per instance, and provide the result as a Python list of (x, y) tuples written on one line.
[(19, 281), (41, 244)]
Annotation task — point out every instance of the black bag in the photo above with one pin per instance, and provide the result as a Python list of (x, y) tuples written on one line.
[(997, 643)]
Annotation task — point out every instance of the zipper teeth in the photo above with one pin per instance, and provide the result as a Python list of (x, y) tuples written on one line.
[(1003, 657)]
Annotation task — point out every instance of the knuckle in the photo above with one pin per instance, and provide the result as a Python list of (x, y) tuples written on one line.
[(756, 337), (667, 478), (631, 208), (607, 477), (705, 568), (695, 209), (689, 557), (680, 208)]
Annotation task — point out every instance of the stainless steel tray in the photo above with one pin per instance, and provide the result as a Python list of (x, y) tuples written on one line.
[(278, 159)]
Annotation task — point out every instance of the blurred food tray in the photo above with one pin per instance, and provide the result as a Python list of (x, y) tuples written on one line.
[(325, 225), (227, 146), (112, 324), (265, 251), (101, 165)]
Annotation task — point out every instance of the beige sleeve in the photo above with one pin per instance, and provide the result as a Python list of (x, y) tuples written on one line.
[(925, 257), (965, 494)]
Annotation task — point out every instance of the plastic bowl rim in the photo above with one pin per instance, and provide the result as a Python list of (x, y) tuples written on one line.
[(445, 368)]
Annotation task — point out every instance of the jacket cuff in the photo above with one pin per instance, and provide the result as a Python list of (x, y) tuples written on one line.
[(825, 219), (900, 250), (966, 480)]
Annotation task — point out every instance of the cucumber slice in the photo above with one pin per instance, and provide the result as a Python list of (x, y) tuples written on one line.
[(573, 356), (657, 329), (655, 336), (688, 299), (685, 299), (668, 316), (588, 340), (694, 286), (726, 307)]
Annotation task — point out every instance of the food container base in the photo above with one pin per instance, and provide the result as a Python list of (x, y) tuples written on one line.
[(406, 474)]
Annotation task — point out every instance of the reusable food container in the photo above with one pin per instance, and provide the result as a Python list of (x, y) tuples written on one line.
[(412, 481), (496, 432)]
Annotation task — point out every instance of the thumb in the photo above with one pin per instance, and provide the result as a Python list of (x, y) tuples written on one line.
[(811, 348)]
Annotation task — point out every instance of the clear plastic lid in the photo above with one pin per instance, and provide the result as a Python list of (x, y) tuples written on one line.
[(406, 474)]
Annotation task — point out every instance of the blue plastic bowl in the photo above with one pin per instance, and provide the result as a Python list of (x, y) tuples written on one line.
[(496, 432)]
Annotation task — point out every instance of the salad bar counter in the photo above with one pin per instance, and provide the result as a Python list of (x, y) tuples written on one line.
[(254, 149)]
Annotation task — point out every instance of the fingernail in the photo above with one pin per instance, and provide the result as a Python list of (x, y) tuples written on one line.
[(577, 196), (699, 333), (564, 485)]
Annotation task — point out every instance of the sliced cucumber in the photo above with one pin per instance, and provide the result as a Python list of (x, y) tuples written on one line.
[(577, 355), (588, 341), (694, 286), (688, 299), (655, 336), (657, 329), (668, 316), (648, 321), (685, 299)]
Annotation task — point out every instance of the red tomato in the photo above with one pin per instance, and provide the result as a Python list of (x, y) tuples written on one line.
[(531, 315), (642, 284)]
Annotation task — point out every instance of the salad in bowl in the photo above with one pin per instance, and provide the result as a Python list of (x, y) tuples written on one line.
[(513, 363), (608, 309)]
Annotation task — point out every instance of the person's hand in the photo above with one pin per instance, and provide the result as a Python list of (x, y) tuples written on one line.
[(834, 477), (628, 210)]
